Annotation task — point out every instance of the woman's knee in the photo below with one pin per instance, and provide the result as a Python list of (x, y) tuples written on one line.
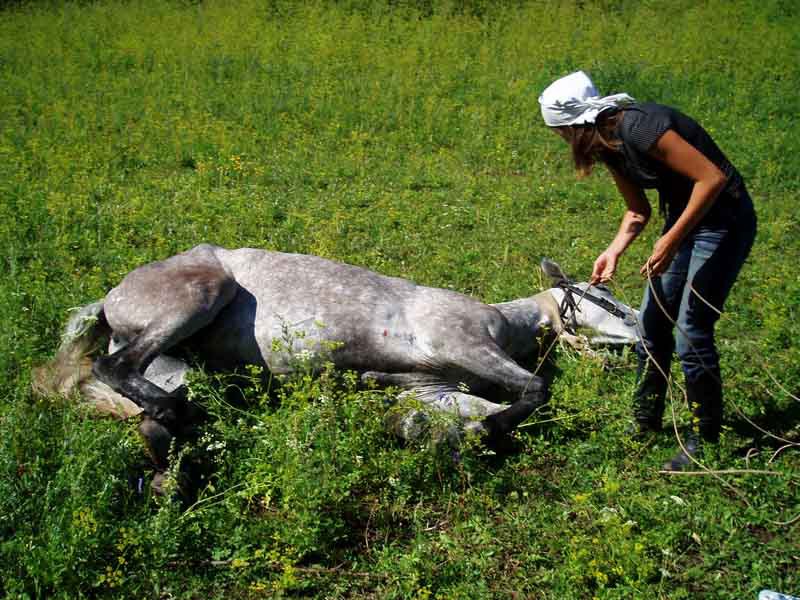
[(697, 352)]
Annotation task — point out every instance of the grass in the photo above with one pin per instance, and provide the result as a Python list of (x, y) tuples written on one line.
[(404, 137)]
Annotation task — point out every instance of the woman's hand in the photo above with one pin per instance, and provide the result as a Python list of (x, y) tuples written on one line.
[(664, 251), (604, 267)]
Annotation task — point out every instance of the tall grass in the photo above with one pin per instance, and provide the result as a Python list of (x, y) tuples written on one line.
[(404, 137)]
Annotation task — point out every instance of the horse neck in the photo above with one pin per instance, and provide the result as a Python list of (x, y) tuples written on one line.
[(528, 318), (550, 313), (535, 312)]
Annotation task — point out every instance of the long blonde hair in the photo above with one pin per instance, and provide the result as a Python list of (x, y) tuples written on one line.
[(594, 142)]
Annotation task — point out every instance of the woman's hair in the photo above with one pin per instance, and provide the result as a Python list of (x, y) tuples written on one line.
[(594, 142)]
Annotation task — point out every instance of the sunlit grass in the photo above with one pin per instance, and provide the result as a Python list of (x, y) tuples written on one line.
[(407, 140)]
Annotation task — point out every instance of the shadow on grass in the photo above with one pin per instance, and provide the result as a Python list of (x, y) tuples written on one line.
[(780, 420)]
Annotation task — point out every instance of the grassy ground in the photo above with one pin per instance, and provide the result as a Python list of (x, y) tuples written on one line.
[(404, 137)]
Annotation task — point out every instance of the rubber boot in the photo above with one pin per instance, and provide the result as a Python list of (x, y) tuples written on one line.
[(705, 399), (692, 446), (648, 401)]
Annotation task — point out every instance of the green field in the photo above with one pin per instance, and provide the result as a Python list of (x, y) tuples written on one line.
[(403, 136)]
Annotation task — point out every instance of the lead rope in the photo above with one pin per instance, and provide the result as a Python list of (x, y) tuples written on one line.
[(788, 443), (704, 470)]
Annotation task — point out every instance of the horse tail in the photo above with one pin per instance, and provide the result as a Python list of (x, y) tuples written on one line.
[(84, 335)]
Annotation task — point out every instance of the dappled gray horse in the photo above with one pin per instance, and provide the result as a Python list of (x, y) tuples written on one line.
[(247, 306)]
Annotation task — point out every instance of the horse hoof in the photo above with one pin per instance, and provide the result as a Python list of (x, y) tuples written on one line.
[(158, 485), (504, 422), (538, 398), (180, 394), (370, 377), (192, 414), (166, 410), (157, 440)]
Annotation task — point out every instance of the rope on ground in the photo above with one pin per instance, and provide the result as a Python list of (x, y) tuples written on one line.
[(763, 368), (788, 443), (704, 470), (702, 467)]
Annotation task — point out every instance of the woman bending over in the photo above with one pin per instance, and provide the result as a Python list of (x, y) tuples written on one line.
[(709, 229)]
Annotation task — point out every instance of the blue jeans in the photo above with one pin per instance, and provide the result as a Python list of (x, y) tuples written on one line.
[(709, 259)]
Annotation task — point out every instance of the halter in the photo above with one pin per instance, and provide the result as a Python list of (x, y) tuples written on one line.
[(569, 306)]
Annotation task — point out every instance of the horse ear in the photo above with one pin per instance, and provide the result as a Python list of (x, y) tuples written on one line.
[(552, 270)]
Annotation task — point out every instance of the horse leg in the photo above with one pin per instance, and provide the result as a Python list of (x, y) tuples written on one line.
[(490, 363), (186, 301), (123, 370), (442, 396), (185, 305), (157, 441)]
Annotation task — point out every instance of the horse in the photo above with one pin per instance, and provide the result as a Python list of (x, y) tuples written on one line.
[(234, 307)]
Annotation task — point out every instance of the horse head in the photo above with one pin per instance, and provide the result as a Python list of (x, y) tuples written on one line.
[(590, 310)]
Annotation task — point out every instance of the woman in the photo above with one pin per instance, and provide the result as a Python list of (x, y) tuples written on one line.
[(709, 230)]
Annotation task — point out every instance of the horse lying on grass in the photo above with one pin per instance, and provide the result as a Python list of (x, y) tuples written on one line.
[(245, 306)]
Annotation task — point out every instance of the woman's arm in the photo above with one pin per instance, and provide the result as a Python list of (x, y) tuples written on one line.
[(633, 221), (680, 156)]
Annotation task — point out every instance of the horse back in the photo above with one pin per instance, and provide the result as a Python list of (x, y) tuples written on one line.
[(291, 303)]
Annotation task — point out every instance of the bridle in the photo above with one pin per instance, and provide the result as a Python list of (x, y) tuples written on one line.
[(569, 305)]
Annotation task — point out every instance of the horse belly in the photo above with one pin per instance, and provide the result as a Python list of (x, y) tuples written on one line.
[(351, 339), (230, 340), (378, 345)]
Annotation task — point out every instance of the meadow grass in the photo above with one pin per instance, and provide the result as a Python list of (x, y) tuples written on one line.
[(404, 137)]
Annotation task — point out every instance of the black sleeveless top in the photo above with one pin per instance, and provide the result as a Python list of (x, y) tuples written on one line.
[(640, 128)]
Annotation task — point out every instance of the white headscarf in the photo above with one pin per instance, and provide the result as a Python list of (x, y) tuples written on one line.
[(573, 100)]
